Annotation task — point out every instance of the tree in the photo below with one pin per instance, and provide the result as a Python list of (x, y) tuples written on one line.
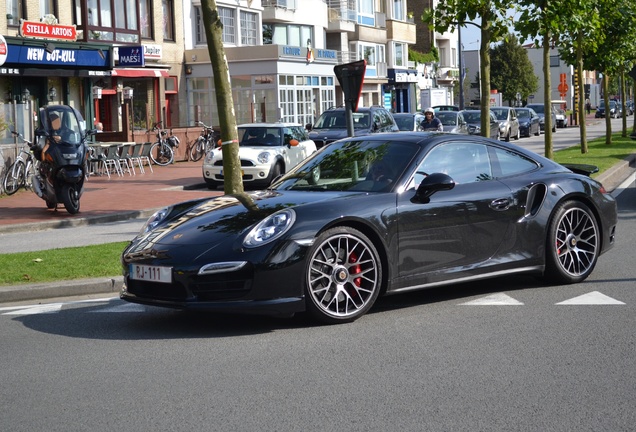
[(232, 178), (494, 26), (512, 71)]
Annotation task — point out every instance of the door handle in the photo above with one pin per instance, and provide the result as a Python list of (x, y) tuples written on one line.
[(500, 204)]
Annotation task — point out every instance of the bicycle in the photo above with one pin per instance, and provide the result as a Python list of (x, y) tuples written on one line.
[(20, 173), (203, 143), (161, 152)]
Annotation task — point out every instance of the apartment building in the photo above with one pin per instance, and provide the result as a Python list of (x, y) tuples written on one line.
[(103, 57), (281, 56)]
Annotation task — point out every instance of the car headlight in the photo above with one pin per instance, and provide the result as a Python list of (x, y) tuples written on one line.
[(264, 157), (270, 228), (155, 219)]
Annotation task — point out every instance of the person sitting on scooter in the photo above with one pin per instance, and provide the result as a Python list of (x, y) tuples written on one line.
[(58, 130)]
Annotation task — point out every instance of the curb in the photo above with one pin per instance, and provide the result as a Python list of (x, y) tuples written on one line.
[(77, 287)]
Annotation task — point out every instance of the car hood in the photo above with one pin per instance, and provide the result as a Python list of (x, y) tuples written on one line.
[(222, 222)]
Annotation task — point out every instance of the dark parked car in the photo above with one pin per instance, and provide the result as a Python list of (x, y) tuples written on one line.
[(539, 108), (473, 123), (369, 216), (528, 122), (614, 110), (332, 124), (409, 121), (453, 121)]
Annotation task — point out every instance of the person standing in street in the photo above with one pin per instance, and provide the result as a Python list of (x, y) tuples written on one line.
[(431, 123)]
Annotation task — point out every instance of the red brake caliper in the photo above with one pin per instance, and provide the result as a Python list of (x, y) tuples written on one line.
[(353, 258)]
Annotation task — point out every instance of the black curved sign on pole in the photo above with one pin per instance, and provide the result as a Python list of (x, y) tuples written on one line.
[(351, 77)]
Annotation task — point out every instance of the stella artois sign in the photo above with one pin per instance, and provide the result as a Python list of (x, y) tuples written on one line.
[(42, 30)]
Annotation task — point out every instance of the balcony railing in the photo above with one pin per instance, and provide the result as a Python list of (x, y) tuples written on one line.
[(341, 10), (285, 4)]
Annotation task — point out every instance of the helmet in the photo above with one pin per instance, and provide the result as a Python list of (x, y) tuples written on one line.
[(429, 110)]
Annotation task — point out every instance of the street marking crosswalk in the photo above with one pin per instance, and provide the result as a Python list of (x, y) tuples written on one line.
[(499, 299), (593, 298)]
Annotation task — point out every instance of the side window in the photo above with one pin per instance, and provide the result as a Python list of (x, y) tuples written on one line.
[(510, 163), (463, 162)]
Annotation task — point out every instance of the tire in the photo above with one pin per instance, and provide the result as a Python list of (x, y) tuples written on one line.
[(277, 171), (314, 176), (518, 135), (70, 198), (14, 178), (212, 184), (343, 276), (50, 204), (507, 139), (538, 132), (573, 244), (198, 150), (161, 154)]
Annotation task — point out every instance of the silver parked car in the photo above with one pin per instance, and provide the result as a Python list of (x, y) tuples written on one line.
[(508, 122), (453, 121)]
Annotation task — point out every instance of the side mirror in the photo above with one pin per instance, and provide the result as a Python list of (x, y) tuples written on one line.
[(433, 183), (293, 142)]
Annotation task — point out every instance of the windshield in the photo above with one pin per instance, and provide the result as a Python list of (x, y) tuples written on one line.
[(337, 120), (501, 114), (260, 136), (472, 117), (523, 114), (538, 109), (62, 123), (448, 118), (352, 166), (405, 123)]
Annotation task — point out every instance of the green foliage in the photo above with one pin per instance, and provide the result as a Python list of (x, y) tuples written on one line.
[(61, 264), (511, 70), (422, 58), (599, 154)]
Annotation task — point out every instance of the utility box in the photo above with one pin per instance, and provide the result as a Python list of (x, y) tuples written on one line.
[(433, 96)]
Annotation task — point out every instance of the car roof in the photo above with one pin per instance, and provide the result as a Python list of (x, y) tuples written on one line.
[(269, 125)]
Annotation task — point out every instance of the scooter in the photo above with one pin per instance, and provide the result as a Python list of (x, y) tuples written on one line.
[(62, 151)]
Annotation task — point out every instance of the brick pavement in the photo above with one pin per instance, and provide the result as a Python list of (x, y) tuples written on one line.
[(135, 196)]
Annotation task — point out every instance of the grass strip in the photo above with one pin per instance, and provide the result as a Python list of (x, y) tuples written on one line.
[(61, 264)]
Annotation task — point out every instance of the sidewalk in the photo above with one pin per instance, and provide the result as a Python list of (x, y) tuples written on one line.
[(107, 200)]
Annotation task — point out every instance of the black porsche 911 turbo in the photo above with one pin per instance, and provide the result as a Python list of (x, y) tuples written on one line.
[(370, 216)]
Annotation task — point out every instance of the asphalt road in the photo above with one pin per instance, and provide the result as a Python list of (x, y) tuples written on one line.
[(508, 354)]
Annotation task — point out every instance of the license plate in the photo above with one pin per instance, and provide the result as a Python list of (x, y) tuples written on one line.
[(150, 273), (242, 173)]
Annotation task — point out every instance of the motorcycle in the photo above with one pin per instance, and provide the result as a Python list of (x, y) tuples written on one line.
[(61, 148)]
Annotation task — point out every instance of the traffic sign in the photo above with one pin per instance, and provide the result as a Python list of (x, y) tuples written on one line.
[(563, 88)]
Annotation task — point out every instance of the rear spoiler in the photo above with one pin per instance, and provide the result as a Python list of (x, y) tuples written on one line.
[(584, 169)]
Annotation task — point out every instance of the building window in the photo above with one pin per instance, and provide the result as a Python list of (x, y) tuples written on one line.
[(555, 61), (248, 28), (15, 12), (398, 10), (48, 7), (199, 30), (168, 20), (443, 61), (115, 20), (453, 57), (227, 17), (399, 57), (145, 15), (293, 35)]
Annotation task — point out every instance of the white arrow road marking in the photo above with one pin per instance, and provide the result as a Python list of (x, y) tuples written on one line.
[(593, 298), (499, 299)]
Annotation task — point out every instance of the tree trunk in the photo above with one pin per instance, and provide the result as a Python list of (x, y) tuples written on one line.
[(484, 69), (608, 119), (547, 92), (232, 176), (581, 94)]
